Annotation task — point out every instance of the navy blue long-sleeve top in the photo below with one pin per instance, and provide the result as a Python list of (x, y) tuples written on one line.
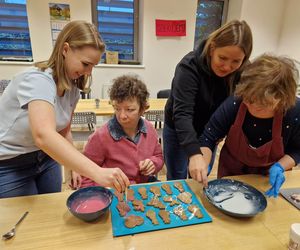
[(258, 131)]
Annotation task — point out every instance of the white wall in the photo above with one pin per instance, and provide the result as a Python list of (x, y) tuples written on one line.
[(159, 55), (235, 9), (265, 18), (289, 42), (274, 24), (39, 23)]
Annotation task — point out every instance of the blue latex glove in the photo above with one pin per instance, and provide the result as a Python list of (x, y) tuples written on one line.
[(276, 179)]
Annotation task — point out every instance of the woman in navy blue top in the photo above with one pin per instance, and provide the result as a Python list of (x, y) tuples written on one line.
[(261, 123)]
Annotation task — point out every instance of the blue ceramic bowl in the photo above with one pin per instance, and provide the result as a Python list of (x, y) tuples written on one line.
[(235, 198), (89, 203)]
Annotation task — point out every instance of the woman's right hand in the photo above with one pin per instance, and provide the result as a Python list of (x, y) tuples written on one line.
[(112, 177), (198, 169), (43, 128), (76, 180)]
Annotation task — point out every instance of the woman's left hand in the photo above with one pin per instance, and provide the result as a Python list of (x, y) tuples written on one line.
[(147, 167), (276, 179)]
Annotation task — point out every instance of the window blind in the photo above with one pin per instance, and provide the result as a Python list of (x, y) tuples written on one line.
[(117, 24), (14, 32)]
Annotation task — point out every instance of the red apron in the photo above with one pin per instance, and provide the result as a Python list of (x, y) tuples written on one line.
[(237, 157)]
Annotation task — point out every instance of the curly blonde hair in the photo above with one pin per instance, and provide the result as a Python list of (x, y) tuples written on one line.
[(269, 79)]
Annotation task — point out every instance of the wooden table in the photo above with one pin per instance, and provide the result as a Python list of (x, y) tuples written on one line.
[(49, 225), (106, 109)]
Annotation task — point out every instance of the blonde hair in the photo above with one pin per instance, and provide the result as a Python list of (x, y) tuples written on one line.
[(77, 34), (234, 33), (269, 79)]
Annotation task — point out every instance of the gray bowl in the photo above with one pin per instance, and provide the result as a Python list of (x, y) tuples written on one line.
[(88, 204)]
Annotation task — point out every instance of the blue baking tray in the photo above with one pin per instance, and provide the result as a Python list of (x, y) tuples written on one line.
[(119, 228)]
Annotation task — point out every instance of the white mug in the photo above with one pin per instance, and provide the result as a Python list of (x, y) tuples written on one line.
[(294, 243)]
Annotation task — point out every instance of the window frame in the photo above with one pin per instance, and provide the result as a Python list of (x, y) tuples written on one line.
[(223, 19), (136, 59), (225, 11)]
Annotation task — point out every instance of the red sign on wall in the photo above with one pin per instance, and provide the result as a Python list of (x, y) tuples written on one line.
[(170, 27)]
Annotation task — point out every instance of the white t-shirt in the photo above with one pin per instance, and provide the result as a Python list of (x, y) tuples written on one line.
[(32, 84)]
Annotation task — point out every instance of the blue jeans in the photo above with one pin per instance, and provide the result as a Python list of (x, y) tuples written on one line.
[(175, 157), (29, 174)]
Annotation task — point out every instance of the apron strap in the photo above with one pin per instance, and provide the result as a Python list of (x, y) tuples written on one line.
[(239, 120), (277, 124)]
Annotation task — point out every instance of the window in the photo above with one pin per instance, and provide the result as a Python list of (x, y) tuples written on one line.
[(209, 17), (117, 22), (14, 32)]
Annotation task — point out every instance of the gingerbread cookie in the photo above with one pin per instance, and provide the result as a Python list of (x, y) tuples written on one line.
[(167, 199), (170, 200), (133, 221), (143, 192), (185, 197), (155, 190), (167, 188), (155, 202), (152, 216), (195, 210), (120, 196), (165, 215), (179, 186), (138, 205), (130, 194), (179, 211), (123, 208)]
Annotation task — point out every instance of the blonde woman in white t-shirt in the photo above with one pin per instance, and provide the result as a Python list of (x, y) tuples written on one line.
[(36, 110)]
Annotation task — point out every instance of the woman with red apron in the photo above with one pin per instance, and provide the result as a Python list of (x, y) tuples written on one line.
[(237, 157), (267, 91)]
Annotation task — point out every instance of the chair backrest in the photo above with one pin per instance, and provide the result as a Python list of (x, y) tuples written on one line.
[(154, 115), (164, 93), (87, 118)]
